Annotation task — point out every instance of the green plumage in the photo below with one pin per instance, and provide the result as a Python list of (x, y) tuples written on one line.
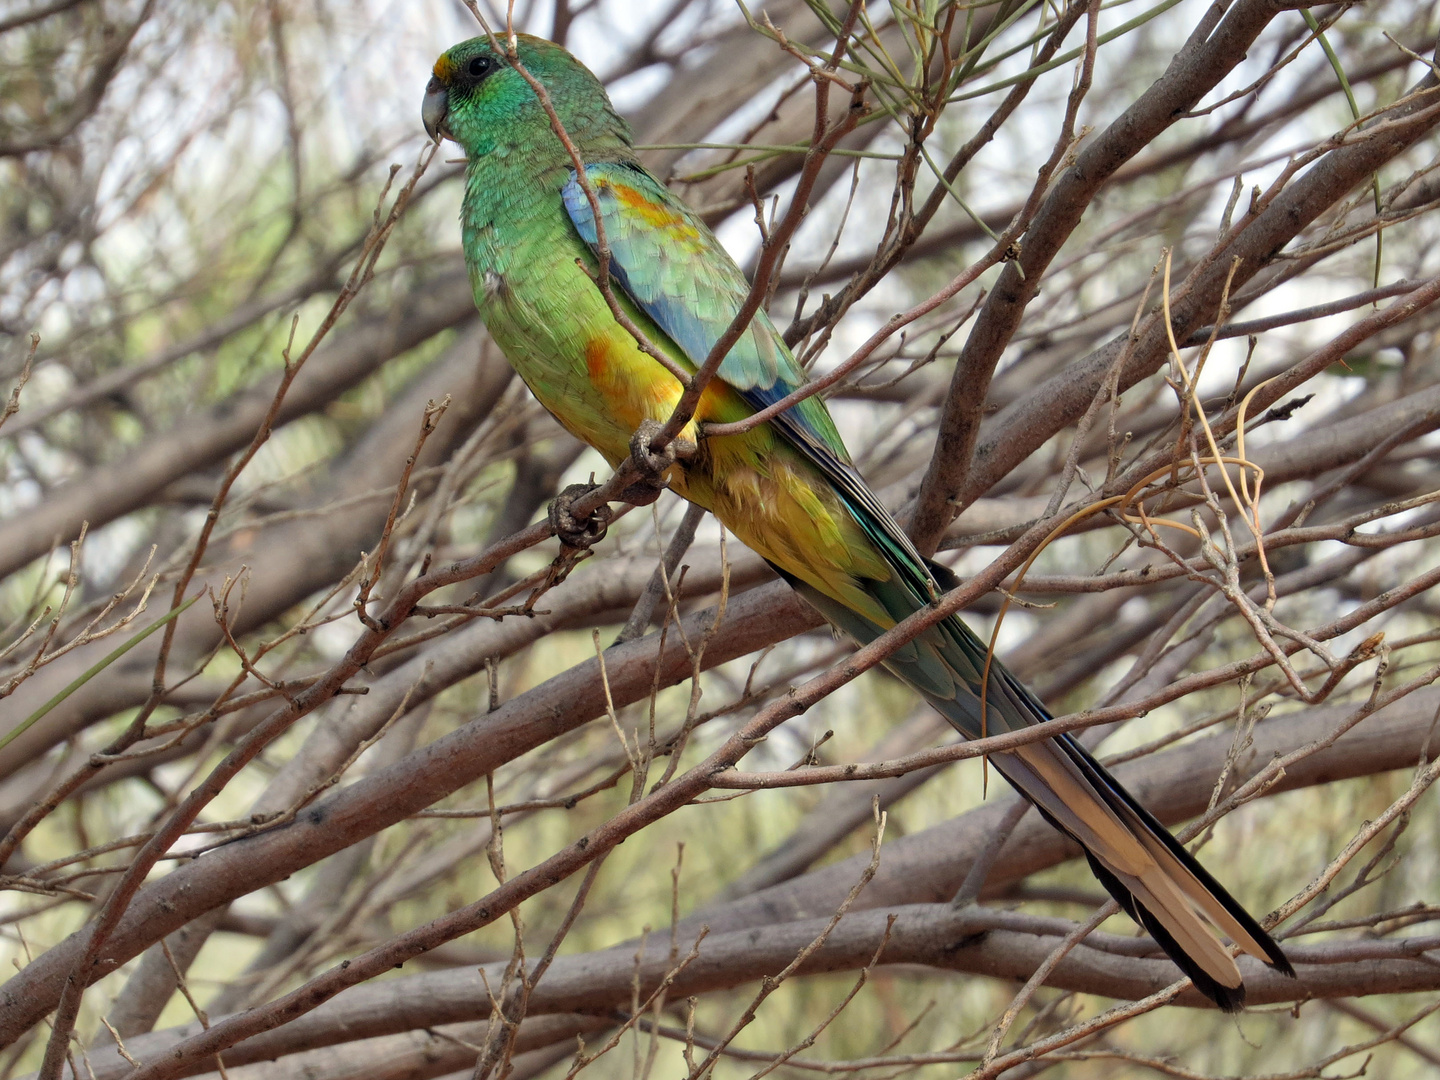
[(786, 488)]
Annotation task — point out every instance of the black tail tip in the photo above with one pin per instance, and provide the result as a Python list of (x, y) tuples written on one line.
[(1228, 999), (1232, 1000), (1279, 961)]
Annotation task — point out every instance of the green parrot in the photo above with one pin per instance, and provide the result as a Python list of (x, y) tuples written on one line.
[(786, 488)]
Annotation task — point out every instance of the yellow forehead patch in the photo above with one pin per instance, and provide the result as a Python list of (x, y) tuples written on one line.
[(444, 68)]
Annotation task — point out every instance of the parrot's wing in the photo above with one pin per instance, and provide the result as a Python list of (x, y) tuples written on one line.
[(678, 273)]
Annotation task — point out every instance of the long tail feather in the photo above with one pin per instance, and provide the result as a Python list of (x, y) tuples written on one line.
[(1153, 878)]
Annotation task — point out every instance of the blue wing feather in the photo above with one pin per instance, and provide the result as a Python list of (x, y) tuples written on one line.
[(677, 272)]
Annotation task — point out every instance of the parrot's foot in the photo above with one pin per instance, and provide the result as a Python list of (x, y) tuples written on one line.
[(652, 465), (578, 533)]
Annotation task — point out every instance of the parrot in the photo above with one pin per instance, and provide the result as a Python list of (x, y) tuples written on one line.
[(787, 487)]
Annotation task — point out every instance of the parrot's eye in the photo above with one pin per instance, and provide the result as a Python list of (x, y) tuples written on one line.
[(479, 67)]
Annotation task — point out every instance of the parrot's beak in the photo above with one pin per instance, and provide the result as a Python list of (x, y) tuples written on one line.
[(437, 104)]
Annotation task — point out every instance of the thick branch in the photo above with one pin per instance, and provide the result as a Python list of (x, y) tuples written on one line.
[(1207, 57)]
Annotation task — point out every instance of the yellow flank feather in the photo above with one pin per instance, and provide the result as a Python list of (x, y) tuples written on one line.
[(769, 496)]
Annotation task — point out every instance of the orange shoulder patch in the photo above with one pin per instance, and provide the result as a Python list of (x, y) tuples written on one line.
[(653, 212)]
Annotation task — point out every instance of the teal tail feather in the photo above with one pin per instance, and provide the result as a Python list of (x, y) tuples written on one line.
[(1152, 877)]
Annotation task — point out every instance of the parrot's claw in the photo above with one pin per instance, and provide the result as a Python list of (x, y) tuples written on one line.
[(652, 465), (578, 533)]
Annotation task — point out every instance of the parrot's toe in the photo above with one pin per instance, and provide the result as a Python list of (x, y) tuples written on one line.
[(580, 533), (653, 465)]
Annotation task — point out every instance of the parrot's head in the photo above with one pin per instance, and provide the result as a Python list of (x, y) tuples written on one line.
[(478, 98)]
